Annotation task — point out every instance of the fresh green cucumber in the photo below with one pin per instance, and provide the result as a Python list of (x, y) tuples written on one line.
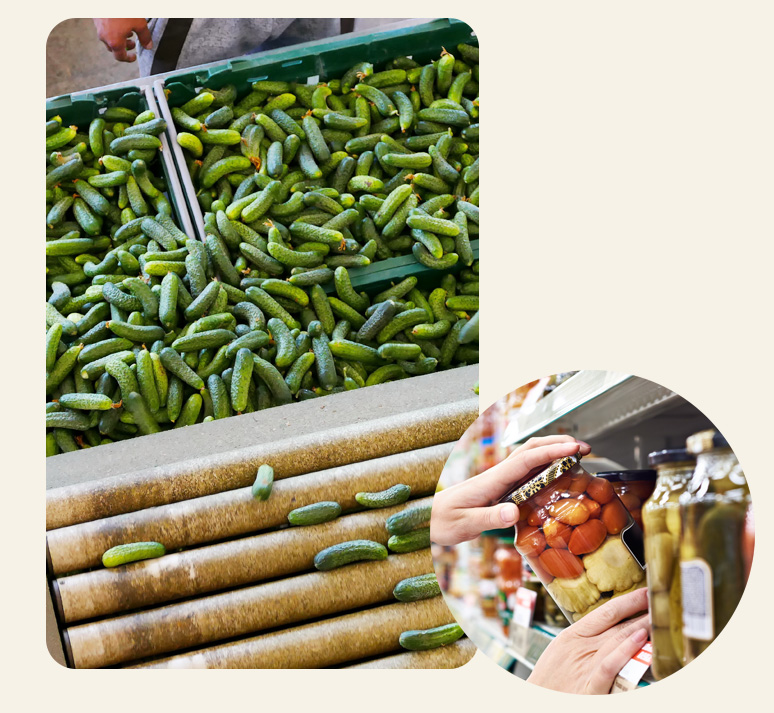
[(264, 480), (406, 520), (134, 552), (413, 589), (424, 639), (349, 552), (395, 495), (314, 514), (410, 541)]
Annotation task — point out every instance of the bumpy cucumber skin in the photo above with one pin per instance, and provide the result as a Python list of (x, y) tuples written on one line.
[(349, 552), (413, 589), (422, 640), (406, 520), (314, 514), (134, 552), (410, 541), (395, 495)]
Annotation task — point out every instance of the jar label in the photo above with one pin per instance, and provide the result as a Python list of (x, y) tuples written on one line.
[(630, 675), (487, 588), (696, 584)]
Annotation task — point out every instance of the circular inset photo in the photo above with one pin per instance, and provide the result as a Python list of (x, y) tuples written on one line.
[(592, 532)]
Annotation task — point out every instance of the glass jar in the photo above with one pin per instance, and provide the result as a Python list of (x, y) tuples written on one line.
[(507, 577), (661, 517), (529, 580), (633, 487), (487, 587), (712, 511), (552, 614), (748, 542), (578, 537)]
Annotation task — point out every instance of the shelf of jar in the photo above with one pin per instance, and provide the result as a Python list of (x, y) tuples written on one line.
[(488, 635), (591, 404)]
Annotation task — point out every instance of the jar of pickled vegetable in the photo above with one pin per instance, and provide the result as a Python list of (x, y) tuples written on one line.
[(552, 614), (633, 487), (578, 537), (661, 517), (712, 510)]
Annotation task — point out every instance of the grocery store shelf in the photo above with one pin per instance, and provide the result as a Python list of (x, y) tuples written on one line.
[(487, 634), (607, 401)]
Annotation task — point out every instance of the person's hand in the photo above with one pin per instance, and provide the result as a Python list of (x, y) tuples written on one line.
[(115, 34), (464, 511), (587, 656)]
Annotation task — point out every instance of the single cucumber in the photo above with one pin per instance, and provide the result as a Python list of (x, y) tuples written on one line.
[(395, 495), (348, 552), (469, 331), (425, 586), (123, 554), (210, 339), (86, 402), (264, 480), (424, 639), (411, 541), (406, 520), (314, 514), (395, 351)]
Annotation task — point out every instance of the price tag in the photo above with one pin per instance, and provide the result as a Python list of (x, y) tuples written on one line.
[(523, 602), (524, 607), (631, 674)]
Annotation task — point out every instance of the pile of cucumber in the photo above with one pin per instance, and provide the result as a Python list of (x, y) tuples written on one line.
[(149, 329), (385, 162)]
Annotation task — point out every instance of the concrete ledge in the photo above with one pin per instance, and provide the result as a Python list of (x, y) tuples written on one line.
[(261, 427)]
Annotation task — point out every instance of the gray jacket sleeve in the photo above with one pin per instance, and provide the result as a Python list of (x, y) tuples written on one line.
[(215, 39)]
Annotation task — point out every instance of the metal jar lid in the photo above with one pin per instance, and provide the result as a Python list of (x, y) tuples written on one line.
[(673, 455), (628, 476), (541, 480), (705, 441)]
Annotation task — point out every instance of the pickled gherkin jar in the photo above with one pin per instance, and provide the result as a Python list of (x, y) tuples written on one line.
[(712, 511), (661, 520), (578, 537)]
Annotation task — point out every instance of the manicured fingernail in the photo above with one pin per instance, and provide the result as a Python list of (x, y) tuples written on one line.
[(508, 513)]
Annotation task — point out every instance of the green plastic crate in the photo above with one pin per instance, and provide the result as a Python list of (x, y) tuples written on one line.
[(383, 273), (80, 109), (320, 59)]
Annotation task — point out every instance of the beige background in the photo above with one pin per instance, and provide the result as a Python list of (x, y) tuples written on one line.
[(630, 227)]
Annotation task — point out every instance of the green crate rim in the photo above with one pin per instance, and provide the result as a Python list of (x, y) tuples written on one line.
[(319, 57)]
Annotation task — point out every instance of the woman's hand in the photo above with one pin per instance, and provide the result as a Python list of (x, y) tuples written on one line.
[(115, 34), (464, 511), (587, 656)]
